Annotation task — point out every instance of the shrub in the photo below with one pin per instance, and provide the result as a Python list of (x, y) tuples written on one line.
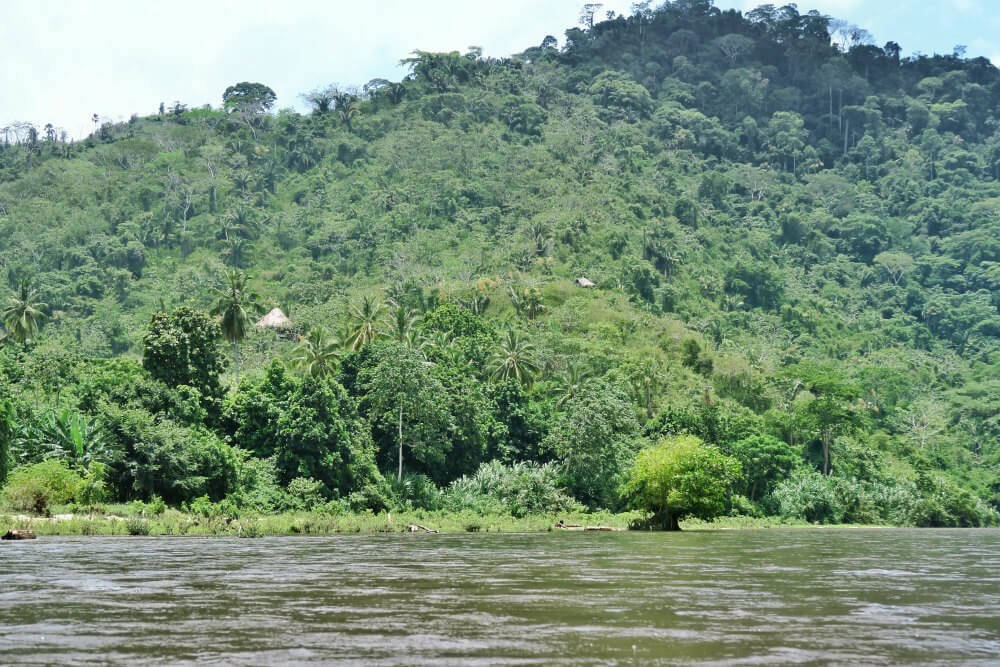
[(37, 487), (257, 489), (806, 494), (93, 488), (202, 506), (136, 526), (163, 458), (944, 505), (305, 493), (518, 489), (412, 492)]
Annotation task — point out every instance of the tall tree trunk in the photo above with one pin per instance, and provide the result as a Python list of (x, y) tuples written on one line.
[(399, 475), (236, 351), (831, 107), (827, 437)]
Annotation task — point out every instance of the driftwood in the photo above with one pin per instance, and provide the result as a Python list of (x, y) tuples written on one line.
[(19, 535), (416, 528), (562, 525)]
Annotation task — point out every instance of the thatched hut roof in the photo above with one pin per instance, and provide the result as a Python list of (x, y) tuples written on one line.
[(583, 282), (275, 320)]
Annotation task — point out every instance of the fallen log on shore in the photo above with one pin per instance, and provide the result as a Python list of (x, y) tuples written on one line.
[(562, 525), (19, 535), (416, 528)]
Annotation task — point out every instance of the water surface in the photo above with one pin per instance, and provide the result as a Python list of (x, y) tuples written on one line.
[(802, 596)]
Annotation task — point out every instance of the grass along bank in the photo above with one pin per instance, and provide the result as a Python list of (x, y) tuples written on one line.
[(121, 520), (117, 520)]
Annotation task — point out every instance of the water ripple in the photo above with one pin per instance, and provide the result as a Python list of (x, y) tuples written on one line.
[(798, 597)]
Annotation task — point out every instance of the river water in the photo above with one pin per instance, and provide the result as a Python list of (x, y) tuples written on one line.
[(801, 596)]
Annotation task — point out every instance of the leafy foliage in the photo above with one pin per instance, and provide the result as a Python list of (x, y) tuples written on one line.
[(681, 476), (180, 349)]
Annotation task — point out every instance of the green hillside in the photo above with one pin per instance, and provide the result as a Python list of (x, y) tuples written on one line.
[(794, 236)]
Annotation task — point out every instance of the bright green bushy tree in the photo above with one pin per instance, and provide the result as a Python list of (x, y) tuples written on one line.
[(680, 476)]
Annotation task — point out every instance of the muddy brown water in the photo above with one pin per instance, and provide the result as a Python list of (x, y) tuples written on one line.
[(797, 596)]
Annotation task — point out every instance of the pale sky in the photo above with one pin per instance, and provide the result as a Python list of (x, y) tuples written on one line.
[(64, 60)]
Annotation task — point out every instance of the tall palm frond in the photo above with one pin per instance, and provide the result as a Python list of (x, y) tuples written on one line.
[(401, 326), (366, 316), (571, 382), (237, 305), (23, 318), (317, 353), (515, 359)]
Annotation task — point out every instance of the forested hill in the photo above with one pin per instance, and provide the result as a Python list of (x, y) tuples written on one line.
[(794, 235)]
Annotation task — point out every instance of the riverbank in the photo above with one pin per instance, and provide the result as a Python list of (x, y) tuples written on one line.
[(117, 520), (123, 520)]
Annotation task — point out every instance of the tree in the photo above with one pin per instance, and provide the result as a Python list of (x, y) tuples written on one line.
[(593, 442), (6, 436), (571, 383), (832, 409), (321, 99), (895, 264), (249, 100), (587, 14), (766, 461), (23, 318), (319, 434), (733, 46), (348, 110), (317, 353), (618, 91), (400, 390), (402, 326), (680, 476), (237, 305), (366, 316), (514, 359), (786, 137), (248, 97), (645, 381), (180, 349)]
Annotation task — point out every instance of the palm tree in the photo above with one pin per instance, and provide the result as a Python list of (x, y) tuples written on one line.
[(237, 305), (533, 302), (347, 107), (23, 318), (645, 382), (317, 354), (401, 326), (344, 337), (348, 112), (515, 359), (571, 382), (366, 319)]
